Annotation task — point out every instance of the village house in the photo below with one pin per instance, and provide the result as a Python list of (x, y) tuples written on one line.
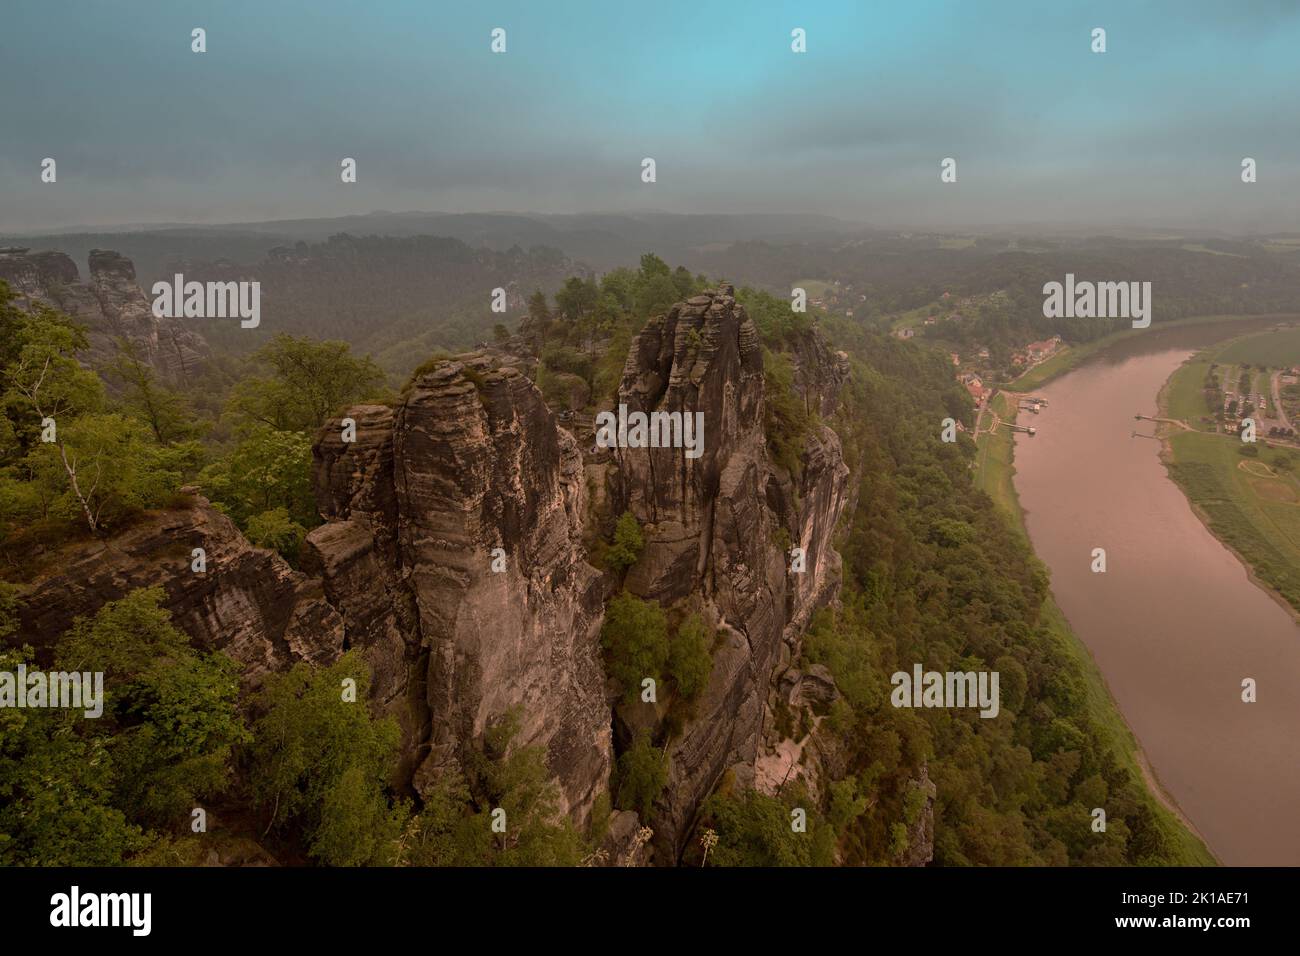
[(975, 386), (1038, 351)]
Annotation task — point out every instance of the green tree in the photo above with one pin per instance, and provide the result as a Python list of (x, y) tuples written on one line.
[(755, 830), (309, 738), (656, 296), (448, 831), (62, 457), (628, 543), (55, 791), (268, 469), (620, 285), (786, 421), (778, 325), (43, 391), (537, 323), (515, 780), (170, 719), (108, 467), (166, 411), (306, 382), (690, 658), (42, 378), (653, 267), (358, 826), (640, 776), (274, 529), (576, 301), (635, 638)]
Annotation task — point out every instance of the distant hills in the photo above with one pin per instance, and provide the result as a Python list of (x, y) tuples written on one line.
[(402, 285), (600, 241)]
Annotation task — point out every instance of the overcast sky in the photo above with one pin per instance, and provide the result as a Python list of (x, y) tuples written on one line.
[(1150, 133)]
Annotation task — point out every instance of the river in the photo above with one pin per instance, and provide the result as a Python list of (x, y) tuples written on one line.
[(1174, 623)]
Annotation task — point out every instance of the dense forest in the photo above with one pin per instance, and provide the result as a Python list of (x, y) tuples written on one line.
[(397, 298), (893, 274), (932, 575)]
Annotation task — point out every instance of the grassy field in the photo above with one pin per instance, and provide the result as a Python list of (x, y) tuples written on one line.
[(912, 318), (1251, 503), (993, 467), (994, 471), (1184, 395), (1198, 247), (1272, 349), (815, 288)]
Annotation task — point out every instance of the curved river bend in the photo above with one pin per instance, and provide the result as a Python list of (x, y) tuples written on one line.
[(1174, 624)]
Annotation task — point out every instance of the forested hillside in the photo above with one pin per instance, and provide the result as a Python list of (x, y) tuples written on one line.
[(889, 275), (932, 575), (396, 298)]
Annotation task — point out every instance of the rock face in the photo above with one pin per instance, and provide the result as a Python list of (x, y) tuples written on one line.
[(247, 602), (111, 305), (920, 835), (452, 555), (716, 527), (462, 633)]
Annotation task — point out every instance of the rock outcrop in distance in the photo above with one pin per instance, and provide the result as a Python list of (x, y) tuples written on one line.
[(455, 554), (112, 307)]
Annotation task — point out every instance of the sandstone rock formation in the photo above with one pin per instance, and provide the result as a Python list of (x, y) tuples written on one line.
[(453, 554), (111, 305), (716, 527), (247, 602), (471, 461)]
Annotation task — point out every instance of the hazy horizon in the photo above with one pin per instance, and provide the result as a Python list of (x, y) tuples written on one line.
[(1039, 229), (1047, 134)]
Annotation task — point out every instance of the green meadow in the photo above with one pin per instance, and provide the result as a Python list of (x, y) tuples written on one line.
[(1248, 495), (1271, 349)]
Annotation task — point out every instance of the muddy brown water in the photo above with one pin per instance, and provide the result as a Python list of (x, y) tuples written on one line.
[(1175, 624)]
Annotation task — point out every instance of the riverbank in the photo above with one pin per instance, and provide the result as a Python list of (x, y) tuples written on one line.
[(1072, 356), (994, 474), (1251, 503)]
